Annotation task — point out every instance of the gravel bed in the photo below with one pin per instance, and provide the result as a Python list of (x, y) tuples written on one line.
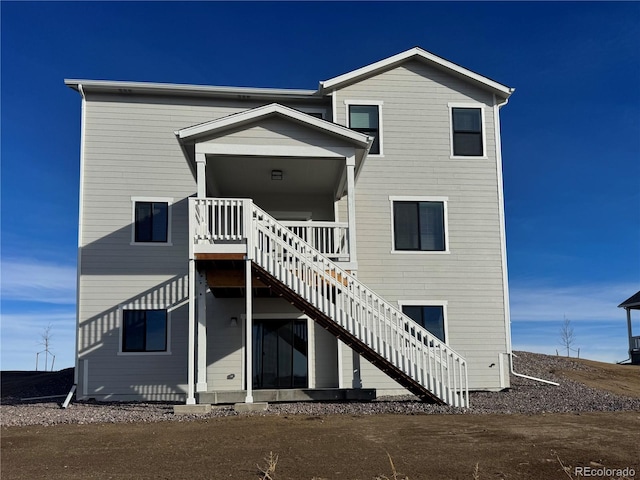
[(525, 396)]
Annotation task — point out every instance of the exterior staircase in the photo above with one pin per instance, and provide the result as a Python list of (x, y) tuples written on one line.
[(336, 300)]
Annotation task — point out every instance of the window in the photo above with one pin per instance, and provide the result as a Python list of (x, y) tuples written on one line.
[(419, 225), (151, 220), (431, 317), (466, 127), (366, 119), (144, 330)]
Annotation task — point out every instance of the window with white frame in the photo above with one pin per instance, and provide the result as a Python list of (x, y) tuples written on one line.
[(430, 317), (467, 136), (419, 224), (366, 118), (144, 330), (151, 220)]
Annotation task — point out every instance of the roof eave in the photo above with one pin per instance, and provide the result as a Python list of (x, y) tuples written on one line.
[(416, 52)]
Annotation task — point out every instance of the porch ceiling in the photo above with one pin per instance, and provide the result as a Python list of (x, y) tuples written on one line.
[(246, 176)]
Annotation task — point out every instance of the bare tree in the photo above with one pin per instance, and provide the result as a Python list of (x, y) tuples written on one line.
[(46, 342), (567, 338)]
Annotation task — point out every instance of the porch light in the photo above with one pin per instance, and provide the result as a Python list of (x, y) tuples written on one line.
[(276, 174), (233, 322)]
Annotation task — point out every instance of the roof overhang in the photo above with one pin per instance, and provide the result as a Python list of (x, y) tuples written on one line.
[(185, 90), (415, 53), (633, 302)]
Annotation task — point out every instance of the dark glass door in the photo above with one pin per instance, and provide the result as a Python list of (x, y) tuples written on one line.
[(280, 354)]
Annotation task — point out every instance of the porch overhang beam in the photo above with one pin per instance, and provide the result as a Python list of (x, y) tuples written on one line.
[(273, 150)]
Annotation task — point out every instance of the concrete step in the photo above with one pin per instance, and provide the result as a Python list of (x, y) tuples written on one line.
[(289, 395)]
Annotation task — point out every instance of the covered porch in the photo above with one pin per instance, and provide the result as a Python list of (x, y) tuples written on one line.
[(299, 169), (632, 303)]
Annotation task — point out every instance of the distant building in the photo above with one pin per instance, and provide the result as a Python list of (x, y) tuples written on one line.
[(244, 244), (632, 303)]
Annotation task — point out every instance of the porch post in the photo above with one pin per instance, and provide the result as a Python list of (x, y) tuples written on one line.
[(631, 345), (248, 333), (201, 174), (201, 386), (351, 206), (191, 399)]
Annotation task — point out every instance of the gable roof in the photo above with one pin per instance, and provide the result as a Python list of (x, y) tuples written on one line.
[(631, 302), (415, 53), (255, 114)]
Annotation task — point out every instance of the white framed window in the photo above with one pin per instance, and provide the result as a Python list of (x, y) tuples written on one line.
[(419, 224), (429, 314), (315, 112), (144, 330), (365, 116), (467, 130), (151, 221)]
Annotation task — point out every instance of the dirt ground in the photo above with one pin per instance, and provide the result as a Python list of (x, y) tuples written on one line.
[(436, 447), (329, 447)]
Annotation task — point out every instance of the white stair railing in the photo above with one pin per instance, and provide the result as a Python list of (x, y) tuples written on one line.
[(372, 320)]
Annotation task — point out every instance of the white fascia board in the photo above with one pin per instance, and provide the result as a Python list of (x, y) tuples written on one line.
[(415, 52), (248, 116), (115, 86)]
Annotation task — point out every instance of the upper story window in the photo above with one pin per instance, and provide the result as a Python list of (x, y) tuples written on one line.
[(365, 117), (467, 135), (419, 225), (151, 220), (144, 330)]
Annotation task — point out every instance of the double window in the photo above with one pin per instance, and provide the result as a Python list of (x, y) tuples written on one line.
[(431, 317), (467, 137), (419, 224), (151, 220), (366, 118), (144, 330)]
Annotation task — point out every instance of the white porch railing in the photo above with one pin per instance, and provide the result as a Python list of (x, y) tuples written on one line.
[(221, 220), (304, 270)]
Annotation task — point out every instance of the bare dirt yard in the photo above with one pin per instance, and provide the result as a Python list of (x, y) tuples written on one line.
[(598, 431)]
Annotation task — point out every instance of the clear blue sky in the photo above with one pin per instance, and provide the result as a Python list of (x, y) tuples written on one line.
[(571, 134)]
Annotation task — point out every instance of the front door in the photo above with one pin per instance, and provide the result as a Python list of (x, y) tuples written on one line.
[(280, 354)]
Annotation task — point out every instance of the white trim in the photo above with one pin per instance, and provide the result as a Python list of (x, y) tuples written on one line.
[(501, 214), (412, 53), (169, 202), (273, 150), (334, 107), (475, 105), (249, 116), (377, 103), (413, 198), (142, 306), (430, 303), (80, 235)]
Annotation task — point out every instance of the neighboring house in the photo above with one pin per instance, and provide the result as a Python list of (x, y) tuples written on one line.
[(231, 239)]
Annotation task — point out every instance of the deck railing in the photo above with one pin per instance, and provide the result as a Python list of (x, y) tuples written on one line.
[(222, 220), (295, 262)]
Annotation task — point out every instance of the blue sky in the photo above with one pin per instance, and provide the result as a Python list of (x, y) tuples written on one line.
[(571, 134)]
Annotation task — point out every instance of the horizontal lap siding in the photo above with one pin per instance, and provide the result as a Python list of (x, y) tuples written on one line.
[(131, 151), (416, 162)]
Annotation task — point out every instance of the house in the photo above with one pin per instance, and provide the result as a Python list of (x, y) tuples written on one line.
[(632, 303), (258, 244)]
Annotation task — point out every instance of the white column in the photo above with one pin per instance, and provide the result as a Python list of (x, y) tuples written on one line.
[(351, 206), (340, 365), (201, 174), (631, 345), (248, 333), (201, 386), (191, 399)]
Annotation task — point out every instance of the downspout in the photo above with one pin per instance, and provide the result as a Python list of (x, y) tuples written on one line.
[(65, 404), (507, 310)]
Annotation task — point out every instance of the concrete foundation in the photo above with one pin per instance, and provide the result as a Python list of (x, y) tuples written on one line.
[(290, 395)]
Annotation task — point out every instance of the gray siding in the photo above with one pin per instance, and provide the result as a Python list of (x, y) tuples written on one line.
[(416, 162)]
